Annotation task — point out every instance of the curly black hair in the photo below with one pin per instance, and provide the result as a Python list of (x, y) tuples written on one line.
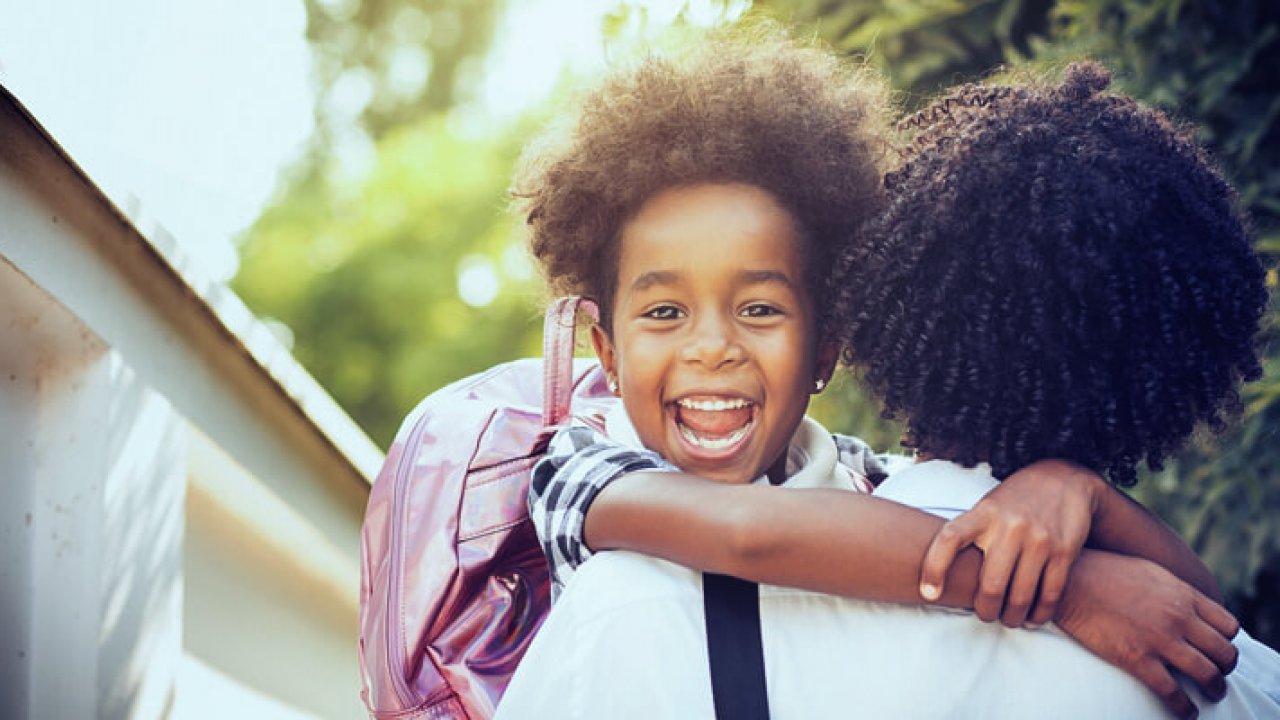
[(752, 107), (1060, 272)]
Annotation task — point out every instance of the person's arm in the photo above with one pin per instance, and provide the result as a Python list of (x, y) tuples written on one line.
[(1136, 615), (1031, 529), (832, 541), (1123, 525), (861, 546)]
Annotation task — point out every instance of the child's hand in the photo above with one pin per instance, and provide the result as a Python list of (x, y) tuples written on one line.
[(1141, 618), (1030, 529)]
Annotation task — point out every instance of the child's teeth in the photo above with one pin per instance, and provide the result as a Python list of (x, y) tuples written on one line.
[(713, 405)]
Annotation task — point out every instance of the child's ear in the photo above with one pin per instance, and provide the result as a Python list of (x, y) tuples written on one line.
[(604, 350), (825, 364)]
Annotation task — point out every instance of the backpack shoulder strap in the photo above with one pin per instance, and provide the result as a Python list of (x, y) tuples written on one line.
[(557, 355), (734, 647)]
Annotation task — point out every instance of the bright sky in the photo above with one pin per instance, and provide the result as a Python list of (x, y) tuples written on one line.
[(193, 109), (190, 108)]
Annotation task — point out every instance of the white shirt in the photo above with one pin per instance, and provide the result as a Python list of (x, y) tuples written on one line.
[(627, 640)]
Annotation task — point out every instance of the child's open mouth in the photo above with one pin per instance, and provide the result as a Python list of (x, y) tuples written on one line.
[(714, 424)]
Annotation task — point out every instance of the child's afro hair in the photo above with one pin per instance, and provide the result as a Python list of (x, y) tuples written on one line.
[(758, 109), (1058, 272)]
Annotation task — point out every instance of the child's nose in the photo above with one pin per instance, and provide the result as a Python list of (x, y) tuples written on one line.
[(713, 344)]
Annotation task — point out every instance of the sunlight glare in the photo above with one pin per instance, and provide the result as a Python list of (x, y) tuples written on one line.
[(478, 282), (537, 41)]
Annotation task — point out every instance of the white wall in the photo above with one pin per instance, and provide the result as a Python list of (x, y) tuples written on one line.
[(270, 600), (179, 502), (92, 520)]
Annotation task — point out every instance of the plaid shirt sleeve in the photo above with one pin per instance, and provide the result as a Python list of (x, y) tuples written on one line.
[(580, 462), (858, 457)]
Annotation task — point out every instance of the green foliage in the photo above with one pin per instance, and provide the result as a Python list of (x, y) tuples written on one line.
[(416, 56), (1215, 65), (365, 272), (367, 277), (846, 407), (923, 46)]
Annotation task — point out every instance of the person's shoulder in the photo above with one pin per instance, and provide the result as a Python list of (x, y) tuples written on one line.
[(626, 575), (618, 581)]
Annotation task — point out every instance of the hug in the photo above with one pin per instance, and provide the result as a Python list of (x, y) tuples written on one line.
[(1048, 282), (1053, 272)]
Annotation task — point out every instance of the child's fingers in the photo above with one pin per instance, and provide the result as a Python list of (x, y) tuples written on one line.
[(950, 539), (1052, 586), (997, 567), (1022, 589)]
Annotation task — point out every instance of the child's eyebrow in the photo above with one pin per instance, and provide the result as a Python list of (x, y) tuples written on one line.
[(652, 278), (745, 277), (759, 277)]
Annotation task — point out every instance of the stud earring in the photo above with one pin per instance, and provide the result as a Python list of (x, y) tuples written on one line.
[(613, 385), (819, 384)]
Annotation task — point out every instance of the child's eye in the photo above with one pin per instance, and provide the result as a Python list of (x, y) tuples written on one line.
[(664, 312), (760, 310)]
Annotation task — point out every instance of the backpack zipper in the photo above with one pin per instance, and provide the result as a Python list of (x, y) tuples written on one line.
[(396, 652)]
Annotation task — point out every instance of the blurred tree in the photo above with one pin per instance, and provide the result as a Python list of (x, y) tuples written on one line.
[(392, 61), (386, 253), (1211, 64), (408, 280), (924, 46)]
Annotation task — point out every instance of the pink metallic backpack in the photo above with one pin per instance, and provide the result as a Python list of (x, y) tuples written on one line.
[(453, 582)]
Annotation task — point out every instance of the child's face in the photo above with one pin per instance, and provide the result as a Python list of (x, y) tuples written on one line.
[(713, 330)]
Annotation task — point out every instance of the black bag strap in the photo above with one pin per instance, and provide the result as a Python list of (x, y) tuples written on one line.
[(734, 647)]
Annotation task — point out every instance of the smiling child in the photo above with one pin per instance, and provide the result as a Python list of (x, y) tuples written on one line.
[(715, 360)]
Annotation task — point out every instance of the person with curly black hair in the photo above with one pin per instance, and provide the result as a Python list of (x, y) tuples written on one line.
[(1060, 272)]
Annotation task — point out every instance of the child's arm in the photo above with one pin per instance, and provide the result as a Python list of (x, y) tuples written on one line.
[(831, 541), (1031, 529), (861, 546)]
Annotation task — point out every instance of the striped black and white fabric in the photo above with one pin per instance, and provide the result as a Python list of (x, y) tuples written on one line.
[(579, 463), (862, 461)]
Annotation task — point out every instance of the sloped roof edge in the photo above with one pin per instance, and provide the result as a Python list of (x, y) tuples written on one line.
[(208, 314)]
